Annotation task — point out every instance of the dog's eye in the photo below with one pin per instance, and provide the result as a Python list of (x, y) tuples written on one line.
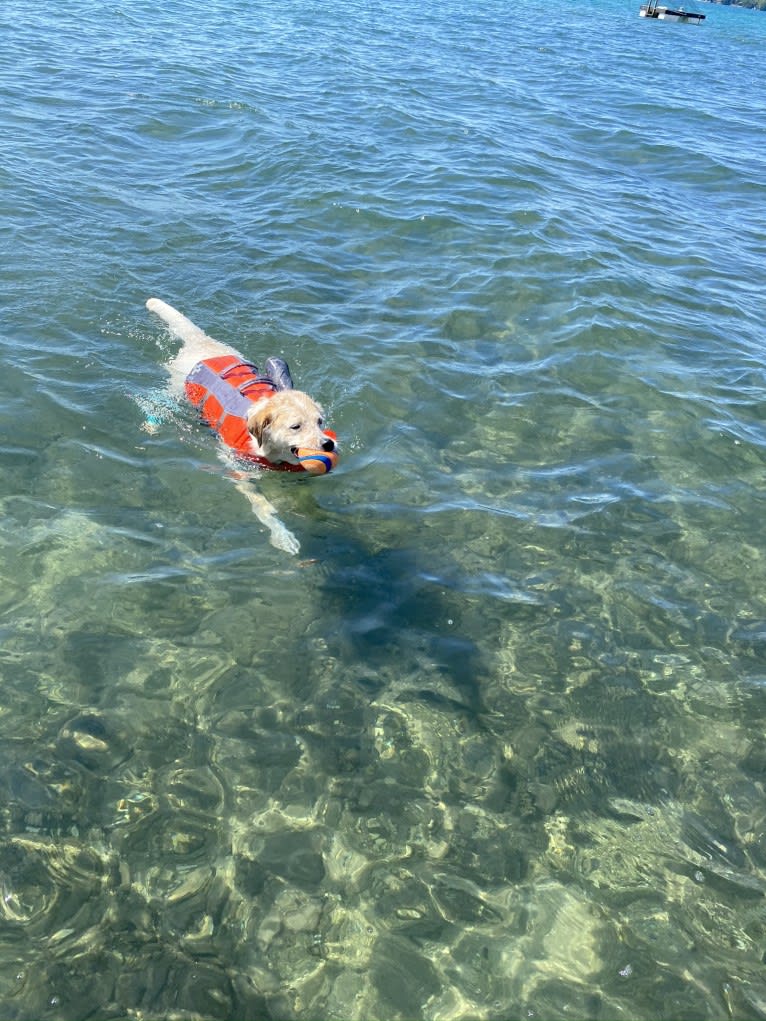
[(320, 422), (295, 428)]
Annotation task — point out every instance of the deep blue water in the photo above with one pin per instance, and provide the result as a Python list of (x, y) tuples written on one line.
[(492, 745)]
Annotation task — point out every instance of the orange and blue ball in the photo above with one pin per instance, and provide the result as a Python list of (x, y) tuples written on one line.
[(317, 462)]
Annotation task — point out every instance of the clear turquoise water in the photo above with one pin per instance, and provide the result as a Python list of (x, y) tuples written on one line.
[(492, 746)]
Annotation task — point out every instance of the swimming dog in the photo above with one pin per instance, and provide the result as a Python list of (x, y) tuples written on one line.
[(260, 417)]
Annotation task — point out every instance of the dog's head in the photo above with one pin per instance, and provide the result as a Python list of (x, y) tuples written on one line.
[(284, 422)]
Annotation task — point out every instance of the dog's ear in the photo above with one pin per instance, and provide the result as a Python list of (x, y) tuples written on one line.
[(258, 423)]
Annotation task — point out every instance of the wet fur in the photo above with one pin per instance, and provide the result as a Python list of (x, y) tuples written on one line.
[(287, 420), (277, 424)]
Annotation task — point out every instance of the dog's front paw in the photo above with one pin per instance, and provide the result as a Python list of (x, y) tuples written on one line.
[(282, 538)]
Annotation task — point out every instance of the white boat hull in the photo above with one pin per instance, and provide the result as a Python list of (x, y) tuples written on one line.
[(670, 14)]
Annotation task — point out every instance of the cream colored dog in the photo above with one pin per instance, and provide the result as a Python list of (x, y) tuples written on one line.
[(277, 425)]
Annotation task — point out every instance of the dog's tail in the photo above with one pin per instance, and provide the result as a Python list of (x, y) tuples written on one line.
[(183, 328)]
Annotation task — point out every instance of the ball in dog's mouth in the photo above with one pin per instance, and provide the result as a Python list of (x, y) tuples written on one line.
[(316, 462)]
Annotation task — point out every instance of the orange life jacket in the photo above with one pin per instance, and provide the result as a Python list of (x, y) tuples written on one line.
[(224, 389)]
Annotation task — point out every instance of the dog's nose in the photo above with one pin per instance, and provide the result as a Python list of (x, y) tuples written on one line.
[(328, 445)]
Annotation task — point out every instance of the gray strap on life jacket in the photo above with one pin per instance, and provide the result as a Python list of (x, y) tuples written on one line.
[(228, 396), (255, 380)]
